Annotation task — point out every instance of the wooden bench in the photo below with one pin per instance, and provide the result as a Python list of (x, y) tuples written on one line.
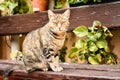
[(108, 14)]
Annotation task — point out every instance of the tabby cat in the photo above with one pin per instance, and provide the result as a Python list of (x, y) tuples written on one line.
[(41, 46)]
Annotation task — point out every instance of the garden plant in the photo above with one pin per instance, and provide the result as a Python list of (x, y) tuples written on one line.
[(92, 45)]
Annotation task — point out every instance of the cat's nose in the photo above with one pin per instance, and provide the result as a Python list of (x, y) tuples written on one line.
[(60, 29)]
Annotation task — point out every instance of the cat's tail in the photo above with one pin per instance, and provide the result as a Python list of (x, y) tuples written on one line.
[(7, 72)]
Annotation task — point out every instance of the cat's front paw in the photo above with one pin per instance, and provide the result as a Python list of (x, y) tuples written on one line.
[(56, 68), (45, 69), (29, 69), (59, 68)]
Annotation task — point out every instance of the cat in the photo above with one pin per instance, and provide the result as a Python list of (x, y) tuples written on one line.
[(41, 46)]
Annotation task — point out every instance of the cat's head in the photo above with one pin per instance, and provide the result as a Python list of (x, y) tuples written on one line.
[(59, 23)]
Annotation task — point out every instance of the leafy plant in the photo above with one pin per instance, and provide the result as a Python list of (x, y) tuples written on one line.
[(84, 1), (7, 7), (73, 1), (10, 7), (62, 53), (24, 6), (91, 1), (58, 4), (61, 4), (93, 47)]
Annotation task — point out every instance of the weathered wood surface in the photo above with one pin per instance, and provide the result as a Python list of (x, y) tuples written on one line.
[(108, 14), (70, 72)]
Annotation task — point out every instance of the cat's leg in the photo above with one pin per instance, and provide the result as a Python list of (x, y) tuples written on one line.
[(52, 60), (54, 64), (33, 62), (42, 63), (56, 61), (28, 65), (32, 66)]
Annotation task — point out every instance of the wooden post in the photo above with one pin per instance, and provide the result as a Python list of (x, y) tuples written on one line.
[(5, 47)]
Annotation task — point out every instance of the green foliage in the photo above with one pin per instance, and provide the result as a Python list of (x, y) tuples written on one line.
[(93, 60), (73, 52), (91, 1), (58, 5), (23, 7), (19, 53), (81, 31), (62, 53), (94, 46), (72, 1), (10, 7), (84, 1), (7, 7)]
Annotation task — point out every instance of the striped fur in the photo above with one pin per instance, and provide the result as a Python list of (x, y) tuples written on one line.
[(41, 46)]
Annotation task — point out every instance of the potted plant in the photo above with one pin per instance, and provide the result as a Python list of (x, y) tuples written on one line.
[(11, 7), (40, 5), (93, 46)]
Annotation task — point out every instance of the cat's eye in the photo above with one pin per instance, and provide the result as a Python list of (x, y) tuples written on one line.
[(63, 22), (54, 23)]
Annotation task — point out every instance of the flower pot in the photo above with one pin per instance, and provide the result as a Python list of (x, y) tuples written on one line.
[(40, 5)]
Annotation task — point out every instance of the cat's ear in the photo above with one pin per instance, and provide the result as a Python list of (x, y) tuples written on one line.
[(67, 14), (50, 14)]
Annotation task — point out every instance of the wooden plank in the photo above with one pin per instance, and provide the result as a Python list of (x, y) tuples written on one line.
[(108, 14), (103, 67), (71, 72), (5, 47)]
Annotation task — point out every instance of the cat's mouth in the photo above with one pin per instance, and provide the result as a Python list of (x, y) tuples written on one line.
[(58, 34)]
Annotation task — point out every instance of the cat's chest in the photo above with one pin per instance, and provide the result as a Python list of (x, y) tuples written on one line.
[(50, 42), (56, 45), (56, 42)]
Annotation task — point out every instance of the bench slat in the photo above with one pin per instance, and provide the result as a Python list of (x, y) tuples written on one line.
[(71, 72), (108, 14)]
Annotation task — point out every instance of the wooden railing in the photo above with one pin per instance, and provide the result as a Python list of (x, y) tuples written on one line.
[(108, 14), (71, 72)]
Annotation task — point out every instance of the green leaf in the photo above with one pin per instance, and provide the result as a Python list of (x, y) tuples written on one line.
[(97, 24), (12, 6), (73, 52), (92, 37), (82, 57), (3, 6), (99, 57), (72, 1), (104, 28), (98, 35), (106, 32), (110, 59), (102, 43), (101, 51), (99, 1), (19, 53), (81, 31), (58, 5), (93, 60), (92, 46), (81, 44), (94, 0), (85, 1), (30, 9)]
